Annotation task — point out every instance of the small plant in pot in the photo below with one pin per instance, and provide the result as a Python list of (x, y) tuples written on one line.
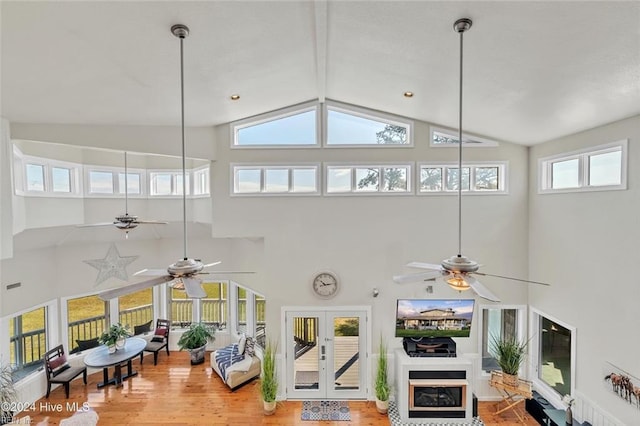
[(8, 394), (382, 388), (114, 337), (269, 379), (510, 354), (195, 340)]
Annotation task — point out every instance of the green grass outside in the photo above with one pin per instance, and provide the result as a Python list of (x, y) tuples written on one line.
[(400, 332)]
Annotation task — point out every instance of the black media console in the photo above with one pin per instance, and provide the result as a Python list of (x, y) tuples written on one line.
[(430, 347)]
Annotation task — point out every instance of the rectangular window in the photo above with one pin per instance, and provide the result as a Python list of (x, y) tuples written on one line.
[(275, 180), (439, 178), (260, 306), (100, 182), (61, 179), (201, 181), (133, 183), (553, 350), (87, 318), (214, 306), (499, 322), (181, 308), (167, 183), (595, 169), (353, 126), (27, 341), (241, 310), (35, 177), (368, 179)]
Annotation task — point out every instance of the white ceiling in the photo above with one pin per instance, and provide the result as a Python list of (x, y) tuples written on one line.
[(534, 71)]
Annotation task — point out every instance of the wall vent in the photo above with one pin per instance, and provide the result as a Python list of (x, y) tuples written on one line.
[(14, 285)]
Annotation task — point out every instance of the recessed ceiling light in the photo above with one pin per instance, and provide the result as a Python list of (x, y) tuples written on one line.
[(235, 97), (408, 94)]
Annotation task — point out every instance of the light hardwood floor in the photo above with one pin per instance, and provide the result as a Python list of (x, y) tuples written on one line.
[(176, 393)]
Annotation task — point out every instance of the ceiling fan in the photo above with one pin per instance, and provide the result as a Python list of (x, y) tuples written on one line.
[(457, 271), (126, 222), (184, 273)]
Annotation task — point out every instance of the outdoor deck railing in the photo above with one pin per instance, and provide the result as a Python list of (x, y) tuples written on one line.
[(85, 329), (136, 316), (28, 348)]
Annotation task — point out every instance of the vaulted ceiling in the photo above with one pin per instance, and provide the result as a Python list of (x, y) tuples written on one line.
[(534, 71)]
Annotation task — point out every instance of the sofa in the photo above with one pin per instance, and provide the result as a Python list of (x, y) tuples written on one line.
[(237, 363)]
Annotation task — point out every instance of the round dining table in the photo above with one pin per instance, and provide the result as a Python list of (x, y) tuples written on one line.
[(101, 358)]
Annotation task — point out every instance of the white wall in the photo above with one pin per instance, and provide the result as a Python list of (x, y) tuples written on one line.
[(586, 245)]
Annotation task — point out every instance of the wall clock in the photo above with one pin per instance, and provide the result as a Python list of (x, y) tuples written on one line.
[(325, 284)]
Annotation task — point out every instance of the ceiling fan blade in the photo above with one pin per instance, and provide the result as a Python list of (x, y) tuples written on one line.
[(420, 276), (208, 265), (151, 222), (422, 265), (193, 288), (225, 272), (91, 225), (132, 288), (480, 289), (511, 278), (151, 272)]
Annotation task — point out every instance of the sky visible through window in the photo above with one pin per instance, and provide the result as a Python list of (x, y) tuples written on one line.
[(299, 129), (348, 129), (605, 169)]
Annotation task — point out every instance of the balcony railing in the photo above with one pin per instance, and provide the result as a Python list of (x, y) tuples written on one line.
[(136, 316), (85, 329)]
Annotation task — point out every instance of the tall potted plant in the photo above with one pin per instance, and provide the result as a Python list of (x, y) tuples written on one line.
[(8, 394), (195, 340), (269, 378), (510, 354), (382, 387)]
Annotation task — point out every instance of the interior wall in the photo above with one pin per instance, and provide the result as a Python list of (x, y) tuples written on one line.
[(368, 239), (586, 245)]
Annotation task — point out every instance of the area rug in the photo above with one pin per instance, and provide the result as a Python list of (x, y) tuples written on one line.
[(394, 419), (325, 410)]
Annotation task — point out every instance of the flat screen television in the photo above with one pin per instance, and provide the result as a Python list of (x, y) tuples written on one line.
[(420, 318)]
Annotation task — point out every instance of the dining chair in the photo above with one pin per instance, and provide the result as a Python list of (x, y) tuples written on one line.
[(159, 340), (59, 371)]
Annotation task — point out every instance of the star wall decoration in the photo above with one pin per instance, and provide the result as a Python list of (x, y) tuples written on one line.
[(113, 265)]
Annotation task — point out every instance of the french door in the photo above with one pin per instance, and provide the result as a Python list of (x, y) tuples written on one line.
[(326, 354)]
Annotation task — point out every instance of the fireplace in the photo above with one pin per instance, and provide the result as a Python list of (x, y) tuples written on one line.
[(437, 398)]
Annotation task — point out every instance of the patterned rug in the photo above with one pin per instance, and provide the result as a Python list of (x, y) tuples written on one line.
[(394, 419), (326, 410)]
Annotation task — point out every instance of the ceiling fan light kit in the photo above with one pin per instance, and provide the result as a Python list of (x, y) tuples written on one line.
[(456, 271)]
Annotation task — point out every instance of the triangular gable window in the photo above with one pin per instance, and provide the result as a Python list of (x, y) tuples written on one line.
[(352, 126), (293, 127)]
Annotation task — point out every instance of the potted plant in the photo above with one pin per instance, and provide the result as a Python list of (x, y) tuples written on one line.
[(8, 394), (382, 387), (114, 337), (510, 354), (269, 379), (195, 340)]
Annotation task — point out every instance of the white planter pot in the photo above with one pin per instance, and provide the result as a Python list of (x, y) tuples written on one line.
[(382, 406)]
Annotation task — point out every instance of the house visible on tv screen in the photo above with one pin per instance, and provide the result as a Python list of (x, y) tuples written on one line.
[(434, 318)]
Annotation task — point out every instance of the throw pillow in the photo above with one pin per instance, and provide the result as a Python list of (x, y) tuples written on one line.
[(58, 365), (250, 347), (241, 344), (84, 345), (143, 328), (159, 335)]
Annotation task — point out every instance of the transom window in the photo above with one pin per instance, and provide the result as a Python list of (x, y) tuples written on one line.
[(167, 183), (596, 169), (343, 125), (435, 178), (275, 180), (367, 179), (449, 138), (44, 177)]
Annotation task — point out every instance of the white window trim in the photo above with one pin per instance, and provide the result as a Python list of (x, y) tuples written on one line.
[(194, 174), (478, 142), (264, 166), (115, 172), (366, 114), (353, 193), (521, 328), (534, 356), (503, 177), (174, 173), (275, 115), (75, 171), (545, 165)]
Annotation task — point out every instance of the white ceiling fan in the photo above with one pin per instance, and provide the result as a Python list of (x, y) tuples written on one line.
[(184, 273), (457, 271), (126, 222)]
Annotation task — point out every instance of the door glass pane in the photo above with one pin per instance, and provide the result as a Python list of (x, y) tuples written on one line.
[(306, 363), (346, 353)]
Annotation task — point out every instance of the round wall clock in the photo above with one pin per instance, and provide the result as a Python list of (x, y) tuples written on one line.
[(325, 284)]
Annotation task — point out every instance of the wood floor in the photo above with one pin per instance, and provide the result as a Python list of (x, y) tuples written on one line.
[(175, 393)]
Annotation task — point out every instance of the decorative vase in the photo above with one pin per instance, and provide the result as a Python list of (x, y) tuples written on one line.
[(269, 407), (197, 355), (111, 348), (510, 379), (382, 406), (120, 343)]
